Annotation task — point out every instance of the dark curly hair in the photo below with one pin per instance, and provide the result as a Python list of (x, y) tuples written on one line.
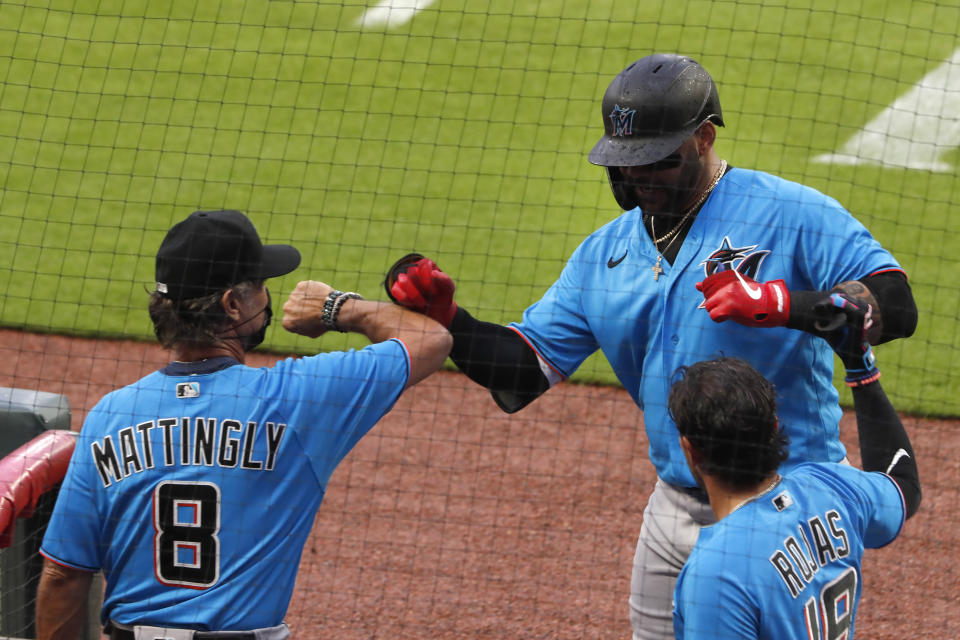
[(728, 412)]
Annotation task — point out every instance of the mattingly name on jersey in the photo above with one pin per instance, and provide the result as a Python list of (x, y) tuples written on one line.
[(224, 443), (827, 542)]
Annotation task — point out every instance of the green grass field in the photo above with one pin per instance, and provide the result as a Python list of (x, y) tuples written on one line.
[(462, 134)]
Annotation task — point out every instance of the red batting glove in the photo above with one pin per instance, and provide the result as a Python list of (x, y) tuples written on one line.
[(730, 295), (424, 288)]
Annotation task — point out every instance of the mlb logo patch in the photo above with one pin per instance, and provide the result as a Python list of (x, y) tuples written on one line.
[(781, 501), (188, 389)]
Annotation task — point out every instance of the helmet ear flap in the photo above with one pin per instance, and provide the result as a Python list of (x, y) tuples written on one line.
[(620, 191)]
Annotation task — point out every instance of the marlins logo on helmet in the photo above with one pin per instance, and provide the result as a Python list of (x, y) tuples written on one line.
[(622, 120)]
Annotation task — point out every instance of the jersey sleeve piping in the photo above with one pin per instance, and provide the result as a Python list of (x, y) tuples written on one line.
[(64, 563), (550, 371), (889, 270), (903, 507), (406, 350)]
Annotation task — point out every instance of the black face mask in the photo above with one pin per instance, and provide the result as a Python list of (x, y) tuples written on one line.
[(254, 340)]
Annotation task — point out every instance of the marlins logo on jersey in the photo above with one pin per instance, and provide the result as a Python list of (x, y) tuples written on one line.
[(729, 258)]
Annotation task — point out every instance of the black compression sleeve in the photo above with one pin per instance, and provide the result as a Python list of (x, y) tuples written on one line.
[(894, 299), (497, 358), (884, 444)]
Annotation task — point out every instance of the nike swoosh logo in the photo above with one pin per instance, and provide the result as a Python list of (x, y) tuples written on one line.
[(896, 458), (611, 263), (753, 292)]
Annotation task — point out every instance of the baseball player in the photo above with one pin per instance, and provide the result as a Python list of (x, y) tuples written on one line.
[(707, 259), (194, 488), (784, 559)]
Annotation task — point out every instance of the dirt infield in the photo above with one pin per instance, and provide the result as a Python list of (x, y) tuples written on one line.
[(454, 520)]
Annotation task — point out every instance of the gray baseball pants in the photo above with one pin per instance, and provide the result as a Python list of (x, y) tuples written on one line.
[(671, 523)]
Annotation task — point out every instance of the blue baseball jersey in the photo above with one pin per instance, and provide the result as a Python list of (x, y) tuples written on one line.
[(768, 228), (195, 488), (786, 565)]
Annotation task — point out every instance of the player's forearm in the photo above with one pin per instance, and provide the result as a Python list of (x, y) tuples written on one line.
[(497, 358), (884, 443), (428, 341), (888, 293), (61, 602)]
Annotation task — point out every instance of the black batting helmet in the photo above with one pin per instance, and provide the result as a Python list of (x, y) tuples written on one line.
[(649, 109)]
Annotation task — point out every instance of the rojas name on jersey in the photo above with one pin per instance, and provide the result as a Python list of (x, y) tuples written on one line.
[(823, 542), (185, 441)]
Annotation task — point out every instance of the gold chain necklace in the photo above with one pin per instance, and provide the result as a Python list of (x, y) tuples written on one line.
[(672, 234), (776, 479), (657, 269)]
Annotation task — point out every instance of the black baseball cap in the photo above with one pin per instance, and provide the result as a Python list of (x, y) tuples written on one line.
[(213, 250)]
